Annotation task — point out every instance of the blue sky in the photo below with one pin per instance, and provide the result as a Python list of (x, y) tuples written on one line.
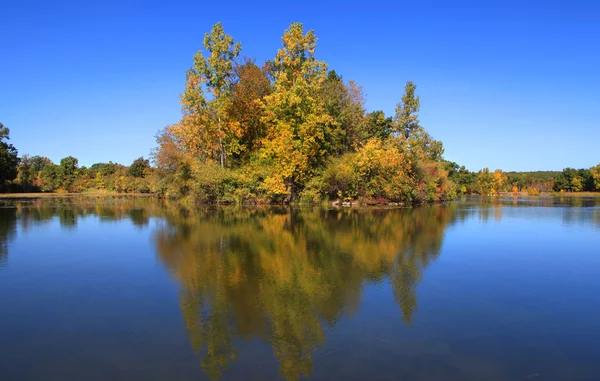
[(503, 84)]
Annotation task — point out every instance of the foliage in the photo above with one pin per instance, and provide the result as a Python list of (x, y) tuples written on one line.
[(9, 159), (298, 127), (407, 128), (595, 172), (291, 130), (485, 182), (464, 179), (576, 180), (205, 131), (139, 167)]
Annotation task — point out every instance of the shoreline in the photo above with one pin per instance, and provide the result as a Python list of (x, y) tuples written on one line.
[(69, 195)]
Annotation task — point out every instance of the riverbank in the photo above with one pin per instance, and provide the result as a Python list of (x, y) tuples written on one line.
[(63, 195)]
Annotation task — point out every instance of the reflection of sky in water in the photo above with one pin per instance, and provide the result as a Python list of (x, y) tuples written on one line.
[(471, 291)]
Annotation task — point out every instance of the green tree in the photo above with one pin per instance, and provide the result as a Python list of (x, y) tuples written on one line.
[(406, 121), (344, 103), (217, 73), (376, 125), (409, 131), (68, 166), (38, 163), (139, 167), (25, 174), (9, 159), (51, 177), (464, 179)]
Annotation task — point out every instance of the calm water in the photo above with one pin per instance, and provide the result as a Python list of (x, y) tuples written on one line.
[(119, 289)]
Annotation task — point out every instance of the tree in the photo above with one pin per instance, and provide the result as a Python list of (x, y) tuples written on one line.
[(410, 133), (499, 180), (138, 167), (251, 85), (464, 179), (68, 166), (406, 121), (297, 123), (577, 184), (345, 104), (38, 163), (485, 182), (376, 125), (51, 177), (216, 72), (595, 171), (25, 174), (9, 159)]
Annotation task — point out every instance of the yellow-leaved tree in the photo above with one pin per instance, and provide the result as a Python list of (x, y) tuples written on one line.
[(206, 131), (297, 124)]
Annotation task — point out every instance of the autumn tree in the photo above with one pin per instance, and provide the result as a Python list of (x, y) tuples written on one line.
[(250, 86), (499, 180), (595, 171), (485, 182), (298, 126), (205, 130)]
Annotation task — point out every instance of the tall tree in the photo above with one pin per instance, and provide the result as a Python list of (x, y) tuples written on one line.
[(409, 131), (217, 73), (205, 130), (25, 174), (68, 166), (138, 167), (345, 104), (297, 123), (9, 157), (251, 85), (406, 121)]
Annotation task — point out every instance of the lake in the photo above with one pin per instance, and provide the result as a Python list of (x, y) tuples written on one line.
[(139, 289)]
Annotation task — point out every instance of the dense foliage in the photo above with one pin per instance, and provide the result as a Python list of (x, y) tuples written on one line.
[(532, 183), (292, 130), (9, 158), (40, 174)]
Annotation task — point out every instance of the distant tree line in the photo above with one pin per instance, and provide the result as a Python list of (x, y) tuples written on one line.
[(487, 182), (40, 174)]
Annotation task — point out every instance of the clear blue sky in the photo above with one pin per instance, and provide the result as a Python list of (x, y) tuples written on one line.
[(503, 84)]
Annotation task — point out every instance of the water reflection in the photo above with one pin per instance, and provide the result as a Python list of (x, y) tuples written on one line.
[(282, 276), (8, 222)]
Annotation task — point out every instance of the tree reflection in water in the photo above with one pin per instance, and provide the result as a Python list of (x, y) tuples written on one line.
[(281, 275)]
